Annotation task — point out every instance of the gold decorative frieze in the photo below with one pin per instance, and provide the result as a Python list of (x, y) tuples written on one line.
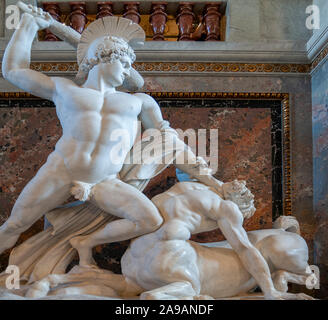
[(184, 67), (55, 66), (220, 95), (203, 67)]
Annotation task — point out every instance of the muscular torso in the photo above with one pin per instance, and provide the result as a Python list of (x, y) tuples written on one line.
[(189, 206), (98, 130)]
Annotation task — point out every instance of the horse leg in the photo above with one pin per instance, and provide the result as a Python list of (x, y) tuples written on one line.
[(281, 278), (79, 281)]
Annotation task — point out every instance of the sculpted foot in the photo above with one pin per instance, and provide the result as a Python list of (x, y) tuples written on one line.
[(84, 251)]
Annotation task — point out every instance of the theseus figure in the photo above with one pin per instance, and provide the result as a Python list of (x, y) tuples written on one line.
[(89, 114)]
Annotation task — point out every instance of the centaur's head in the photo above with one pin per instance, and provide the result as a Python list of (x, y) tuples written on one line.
[(237, 192), (104, 48)]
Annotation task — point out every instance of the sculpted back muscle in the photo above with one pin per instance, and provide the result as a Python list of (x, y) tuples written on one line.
[(189, 208)]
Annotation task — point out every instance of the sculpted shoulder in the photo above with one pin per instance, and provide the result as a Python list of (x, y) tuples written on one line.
[(146, 99), (63, 84)]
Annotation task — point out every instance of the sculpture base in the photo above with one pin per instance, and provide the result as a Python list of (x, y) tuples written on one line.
[(6, 294)]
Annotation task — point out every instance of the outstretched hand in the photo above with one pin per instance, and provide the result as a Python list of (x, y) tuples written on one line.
[(43, 19)]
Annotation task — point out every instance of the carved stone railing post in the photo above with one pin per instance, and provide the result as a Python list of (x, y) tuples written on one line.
[(104, 9), (212, 21), (78, 18), (185, 20), (131, 11), (158, 20), (53, 9)]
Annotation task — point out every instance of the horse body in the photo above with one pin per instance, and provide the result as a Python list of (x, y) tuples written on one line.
[(213, 269), (165, 264)]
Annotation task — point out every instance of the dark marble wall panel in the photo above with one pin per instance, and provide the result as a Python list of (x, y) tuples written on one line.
[(299, 89), (27, 136), (320, 170), (237, 128)]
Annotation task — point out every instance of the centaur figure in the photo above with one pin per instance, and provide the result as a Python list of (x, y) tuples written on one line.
[(165, 264)]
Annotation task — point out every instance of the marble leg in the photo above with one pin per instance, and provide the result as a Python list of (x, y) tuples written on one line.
[(47, 190), (84, 281), (281, 278), (139, 216)]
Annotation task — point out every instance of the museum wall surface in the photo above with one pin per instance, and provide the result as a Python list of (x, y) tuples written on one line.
[(264, 52), (320, 166)]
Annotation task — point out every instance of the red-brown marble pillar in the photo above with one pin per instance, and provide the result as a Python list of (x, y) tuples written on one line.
[(185, 20), (212, 21), (53, 9), (78, 18), (131, 11), (104, 9), (158, 20)]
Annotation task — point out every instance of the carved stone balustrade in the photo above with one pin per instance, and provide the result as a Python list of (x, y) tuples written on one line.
[(104, 9), (212, 21), (54, 10), (78, 17), (131, 11), (158, 20), (185, 20), (191, 20)]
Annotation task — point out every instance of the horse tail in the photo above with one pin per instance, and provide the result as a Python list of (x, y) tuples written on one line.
[(287, 223)]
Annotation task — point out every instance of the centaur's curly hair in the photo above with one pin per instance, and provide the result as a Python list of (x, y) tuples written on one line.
[(237, 192)]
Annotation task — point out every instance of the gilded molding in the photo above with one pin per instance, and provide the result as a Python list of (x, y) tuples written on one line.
[(287, 185), (319, 57), (17, 95), (185, 67), (204, 67)]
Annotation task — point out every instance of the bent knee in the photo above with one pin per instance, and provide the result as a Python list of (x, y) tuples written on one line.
[(14, 226), (296, 262), (152, 221)]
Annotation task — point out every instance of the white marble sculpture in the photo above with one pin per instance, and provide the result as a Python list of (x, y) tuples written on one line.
[(165, 265), (91, 114), (90, 111)]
